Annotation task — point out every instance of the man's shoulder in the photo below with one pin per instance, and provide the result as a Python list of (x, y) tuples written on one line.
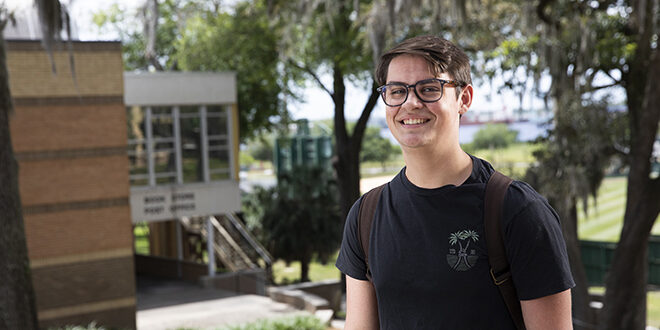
[(523, 198)]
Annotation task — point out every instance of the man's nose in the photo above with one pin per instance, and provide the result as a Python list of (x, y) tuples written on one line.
[(412, 99)]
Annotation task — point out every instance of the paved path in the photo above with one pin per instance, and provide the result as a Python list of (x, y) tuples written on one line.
[(212, 314), (367, 184), (167, 304)]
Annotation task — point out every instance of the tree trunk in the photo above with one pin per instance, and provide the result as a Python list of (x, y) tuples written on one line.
[(625, 296), (304, 268), (583, 315), (17, 302)]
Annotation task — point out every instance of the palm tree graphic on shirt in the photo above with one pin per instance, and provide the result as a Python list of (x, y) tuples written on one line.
[(462, 259)]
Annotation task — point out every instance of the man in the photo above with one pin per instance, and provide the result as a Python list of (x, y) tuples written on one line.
[(428, 257)]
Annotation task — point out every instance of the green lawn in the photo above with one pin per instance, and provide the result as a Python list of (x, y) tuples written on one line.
[(285, 274), (604, 218)]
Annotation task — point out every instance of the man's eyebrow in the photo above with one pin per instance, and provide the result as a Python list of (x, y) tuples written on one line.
[(396, 82)]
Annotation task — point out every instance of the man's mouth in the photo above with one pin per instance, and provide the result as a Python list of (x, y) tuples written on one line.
[(415, 121)]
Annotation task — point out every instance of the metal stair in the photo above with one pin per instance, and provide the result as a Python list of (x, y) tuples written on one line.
[(234, 246)]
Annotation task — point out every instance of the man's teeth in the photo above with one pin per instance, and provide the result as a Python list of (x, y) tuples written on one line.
[(413, 121)]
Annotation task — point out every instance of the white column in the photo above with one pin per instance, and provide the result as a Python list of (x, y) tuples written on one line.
[(150, 147), (179, 249), (177, 144), (205, 142), (210, 241), (230, 141)]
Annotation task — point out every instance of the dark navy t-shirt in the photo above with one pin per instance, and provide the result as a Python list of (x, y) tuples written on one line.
[(428, 255)]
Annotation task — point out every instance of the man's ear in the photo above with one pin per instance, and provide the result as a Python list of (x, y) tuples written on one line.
[(465, 99)]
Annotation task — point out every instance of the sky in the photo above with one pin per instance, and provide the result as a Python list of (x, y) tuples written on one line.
[(318, 103)]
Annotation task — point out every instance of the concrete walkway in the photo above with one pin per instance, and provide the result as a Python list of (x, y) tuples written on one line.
[(213, 314), (173, 304)]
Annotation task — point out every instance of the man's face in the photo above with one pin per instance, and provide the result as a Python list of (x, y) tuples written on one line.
[(416, 124)]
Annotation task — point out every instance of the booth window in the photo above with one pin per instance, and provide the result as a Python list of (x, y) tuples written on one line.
[(178, 144)]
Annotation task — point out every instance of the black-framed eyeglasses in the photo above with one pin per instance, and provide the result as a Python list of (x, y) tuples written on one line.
[(427, 90)]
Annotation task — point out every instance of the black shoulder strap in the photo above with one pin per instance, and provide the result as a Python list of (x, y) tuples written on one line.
[(366, 214), (500, 271)]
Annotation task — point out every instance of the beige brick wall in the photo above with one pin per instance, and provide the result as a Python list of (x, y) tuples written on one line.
[(41, 128), (77, 232), (72, 180), (97, 73), (69, 284)]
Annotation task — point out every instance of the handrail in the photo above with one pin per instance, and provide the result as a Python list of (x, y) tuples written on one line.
[(232, 243), (257, 247)]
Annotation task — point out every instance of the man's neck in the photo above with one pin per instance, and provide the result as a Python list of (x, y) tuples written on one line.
[(434, 169)]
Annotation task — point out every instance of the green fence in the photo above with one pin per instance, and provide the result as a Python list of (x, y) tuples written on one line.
[(597, 258)]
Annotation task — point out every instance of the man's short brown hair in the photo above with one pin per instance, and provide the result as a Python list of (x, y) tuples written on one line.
[(441, 55)]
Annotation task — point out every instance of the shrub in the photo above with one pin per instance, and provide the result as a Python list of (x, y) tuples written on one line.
[(494, 136), (303, 322)]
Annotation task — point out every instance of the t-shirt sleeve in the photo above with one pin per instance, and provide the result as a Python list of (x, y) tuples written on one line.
[(535, 245), (351, 257)]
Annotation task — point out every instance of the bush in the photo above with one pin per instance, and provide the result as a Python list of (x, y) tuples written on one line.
[(303, 322), (91, 326), (494, 136)]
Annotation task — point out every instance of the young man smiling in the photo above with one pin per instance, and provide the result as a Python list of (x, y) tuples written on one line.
[(428, 258)]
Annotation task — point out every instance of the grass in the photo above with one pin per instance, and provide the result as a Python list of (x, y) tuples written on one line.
[(512, 160), (604, 217), (141, 235), (302, 322), (286, 274)]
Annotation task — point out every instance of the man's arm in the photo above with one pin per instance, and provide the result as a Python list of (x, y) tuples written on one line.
[(549, 312), (361, 305)]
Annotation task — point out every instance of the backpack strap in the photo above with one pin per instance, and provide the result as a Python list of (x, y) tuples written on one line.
[(366, 214), (500, 271)]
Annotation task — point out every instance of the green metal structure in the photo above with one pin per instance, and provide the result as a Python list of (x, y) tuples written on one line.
[(302, 150)]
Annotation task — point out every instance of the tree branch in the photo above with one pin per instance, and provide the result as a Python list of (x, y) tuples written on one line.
[(655, 191), (361, 125), (611, 77), (596, 88), (540, 11), (312, 74)]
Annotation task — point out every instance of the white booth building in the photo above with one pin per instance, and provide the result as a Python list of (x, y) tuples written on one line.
[(183, 158)]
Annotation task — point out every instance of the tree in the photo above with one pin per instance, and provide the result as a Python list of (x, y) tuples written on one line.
[(342, 40), (577, 42), (247, 43), (17, 303), (326, 38), (569, 168), (493, 136), (377, 148), (299, 217), (196, 35)]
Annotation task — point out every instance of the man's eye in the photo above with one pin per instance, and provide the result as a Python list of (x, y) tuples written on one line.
[(397, 91), (430, 89)]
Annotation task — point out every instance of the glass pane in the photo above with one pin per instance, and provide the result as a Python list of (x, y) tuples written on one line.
[(164, 146), (158, 111), (219, 176), (165, 180), (216, 109), (162, 126), (137, 159), (191, 150), (218, 159), (216, 125), (135, 123), (189, 111), (164, 161), (218, 143)]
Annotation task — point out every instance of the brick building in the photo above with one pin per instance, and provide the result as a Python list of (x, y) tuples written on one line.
[(69, 136), (101, 151)]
